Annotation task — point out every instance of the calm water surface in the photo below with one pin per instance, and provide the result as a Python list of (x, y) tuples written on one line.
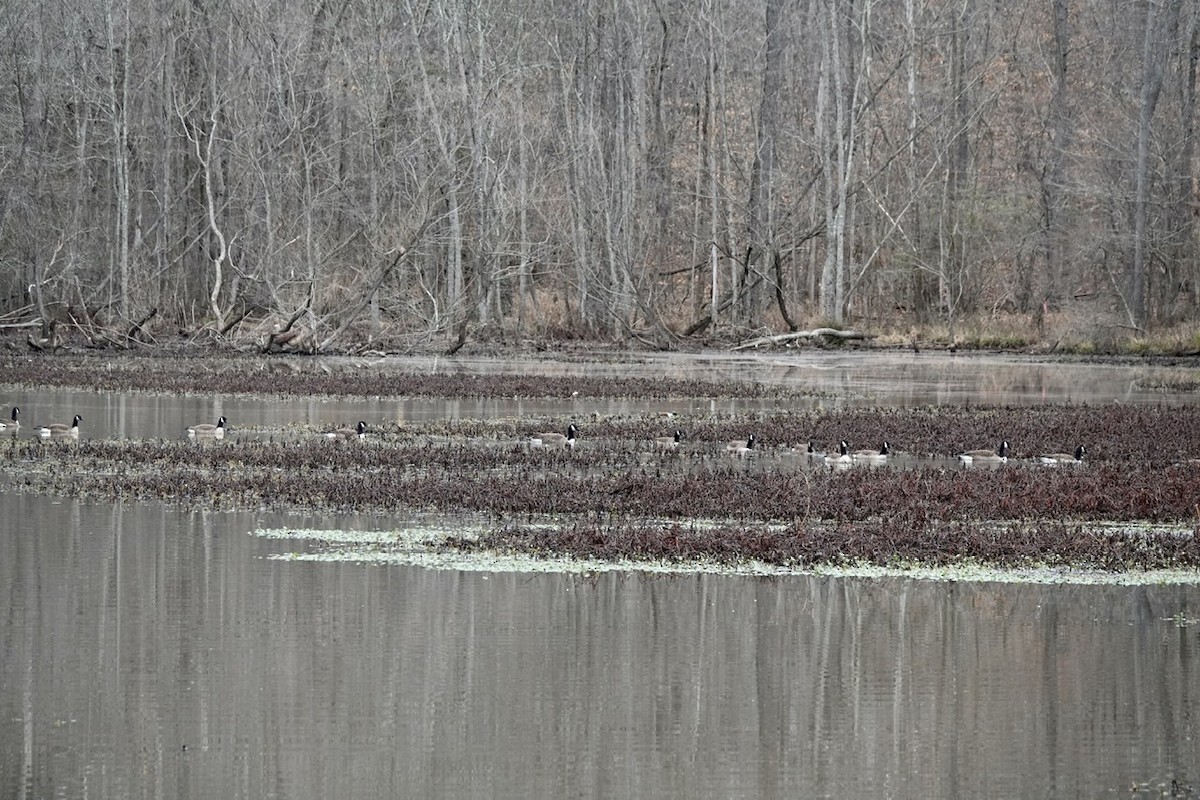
[(154, 651), (836, 381)]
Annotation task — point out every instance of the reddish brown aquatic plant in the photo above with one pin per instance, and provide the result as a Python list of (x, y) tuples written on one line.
[(256, 376), (1049, 544), (771, 506)]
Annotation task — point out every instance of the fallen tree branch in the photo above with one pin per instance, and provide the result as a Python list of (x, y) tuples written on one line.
[(285, 335), (139, 328), (33, 323), (829, 333), (363, 303)]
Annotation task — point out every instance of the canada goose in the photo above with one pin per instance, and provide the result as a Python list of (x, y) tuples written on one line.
[(741, 447), (1055, 459), (810, 452), (871, 455), (667, 442), (59, 430), (207, 430), (359, 432), (842, 459), (999, 456), (549, 440), (12, 427)]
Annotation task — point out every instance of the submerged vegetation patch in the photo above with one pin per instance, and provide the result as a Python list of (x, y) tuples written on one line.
[(619, 498)]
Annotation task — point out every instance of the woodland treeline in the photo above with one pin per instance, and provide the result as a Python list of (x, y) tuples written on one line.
[(353, 169)]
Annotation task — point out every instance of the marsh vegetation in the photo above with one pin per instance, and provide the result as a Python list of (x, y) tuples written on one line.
[(616, 495)]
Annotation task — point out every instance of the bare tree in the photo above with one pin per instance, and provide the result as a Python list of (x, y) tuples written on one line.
[(1060, 134), (609, 167), (1152, 78)]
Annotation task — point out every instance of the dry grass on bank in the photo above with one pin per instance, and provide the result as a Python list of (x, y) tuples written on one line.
[(1067, 334)]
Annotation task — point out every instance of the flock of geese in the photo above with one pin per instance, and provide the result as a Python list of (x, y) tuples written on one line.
[(217, 431), (203, 431), (844, 457), (58, 430), (740, 448), (1000, 456)]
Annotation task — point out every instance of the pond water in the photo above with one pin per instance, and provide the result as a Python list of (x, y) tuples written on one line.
[(157, 651), (835, 381)]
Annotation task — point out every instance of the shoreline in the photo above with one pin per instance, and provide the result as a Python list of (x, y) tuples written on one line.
[(275, 376)]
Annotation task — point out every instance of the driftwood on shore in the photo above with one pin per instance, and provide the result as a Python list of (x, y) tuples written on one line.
[(831, 333)]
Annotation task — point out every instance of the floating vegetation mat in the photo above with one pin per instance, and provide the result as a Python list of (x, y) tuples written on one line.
[(439, 548), (357, 378), (1181, 386), (1132, 506)]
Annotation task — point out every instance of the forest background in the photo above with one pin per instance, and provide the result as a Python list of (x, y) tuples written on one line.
[(339, 174)]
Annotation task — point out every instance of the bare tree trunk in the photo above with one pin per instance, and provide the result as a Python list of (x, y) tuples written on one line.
[(1061, 134), (469, 49), (118, 74), (710, 167), (526, 298), (1186, 176), (923, 297), (762, 177), (1158, 36), (954, 272), (576, 125), (836, 168), (1151, 84), (446, 142), (1180, 231), (218, 258)]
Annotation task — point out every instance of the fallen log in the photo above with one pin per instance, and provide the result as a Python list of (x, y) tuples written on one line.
[(831, 333)]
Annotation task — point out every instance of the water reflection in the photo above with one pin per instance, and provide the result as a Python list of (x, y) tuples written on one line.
[(874, 378), (152, 652)]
